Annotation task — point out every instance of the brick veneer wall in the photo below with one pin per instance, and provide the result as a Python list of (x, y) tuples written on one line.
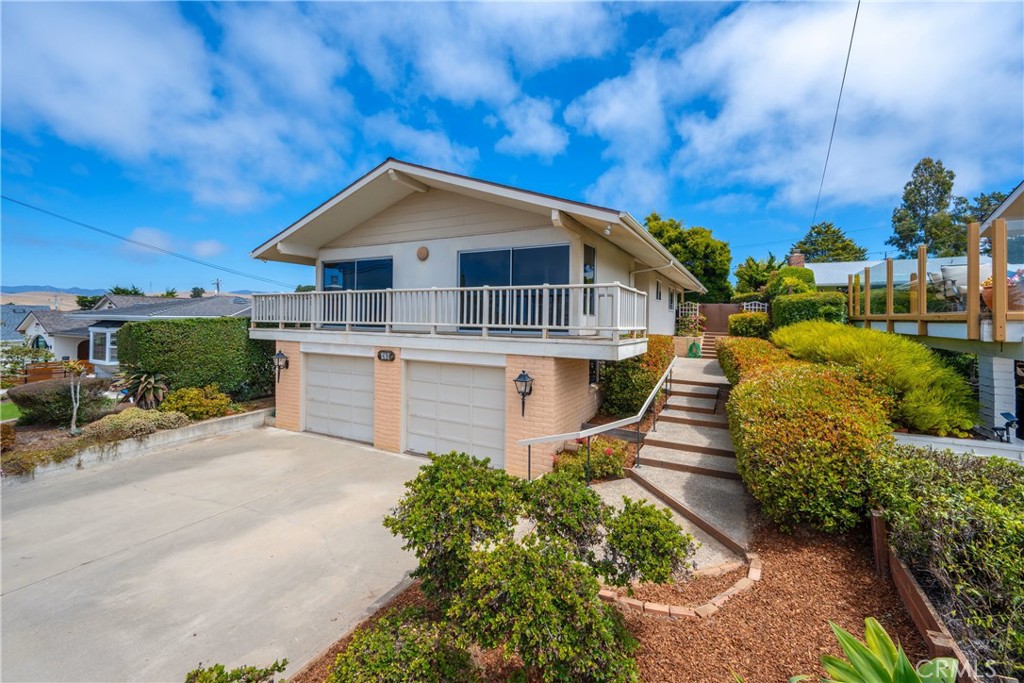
[(562, 399), (288, 395), (387, 401)]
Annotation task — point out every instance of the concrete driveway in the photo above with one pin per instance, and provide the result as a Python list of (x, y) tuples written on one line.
[(237, 549)]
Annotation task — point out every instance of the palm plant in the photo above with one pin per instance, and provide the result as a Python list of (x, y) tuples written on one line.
[(145, 389)]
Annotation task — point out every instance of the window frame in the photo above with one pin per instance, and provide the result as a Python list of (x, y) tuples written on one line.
[(657, 289), (355, 272), (109, 345)]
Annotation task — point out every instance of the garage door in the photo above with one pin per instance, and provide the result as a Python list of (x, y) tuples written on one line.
[(339, 396), (456, 408)]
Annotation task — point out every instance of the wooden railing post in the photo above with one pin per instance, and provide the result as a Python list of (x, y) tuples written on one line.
[(867, 297), (889, 298), (922, 290), (850, 294), (1000, 292), (973, 281), (857, 294)]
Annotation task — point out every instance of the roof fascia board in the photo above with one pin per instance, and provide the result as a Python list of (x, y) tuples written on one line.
[(405, 180), (640, 230), (1003, 206)]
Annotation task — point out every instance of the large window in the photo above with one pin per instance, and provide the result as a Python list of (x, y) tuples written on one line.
[(521, 266), (364, 274)]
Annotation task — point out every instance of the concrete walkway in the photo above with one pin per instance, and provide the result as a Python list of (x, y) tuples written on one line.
[(239, 549)]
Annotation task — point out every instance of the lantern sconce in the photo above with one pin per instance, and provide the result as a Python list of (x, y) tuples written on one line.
[(524, 387), (280, 363)]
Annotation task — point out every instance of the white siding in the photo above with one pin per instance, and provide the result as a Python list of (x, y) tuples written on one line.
[(660, 319)]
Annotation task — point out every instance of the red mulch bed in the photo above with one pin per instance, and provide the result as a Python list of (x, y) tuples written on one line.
[(690, 593), (774, 631)]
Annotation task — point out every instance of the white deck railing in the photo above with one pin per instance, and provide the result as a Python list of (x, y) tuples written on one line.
[(596, 310)]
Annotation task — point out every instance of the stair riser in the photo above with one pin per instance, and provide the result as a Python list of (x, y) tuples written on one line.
[(699, 383), (692, 409), (696, 422), (693, 469), (693, 394), (653, 440)]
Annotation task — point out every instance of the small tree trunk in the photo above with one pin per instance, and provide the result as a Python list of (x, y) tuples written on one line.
[(76, 397)]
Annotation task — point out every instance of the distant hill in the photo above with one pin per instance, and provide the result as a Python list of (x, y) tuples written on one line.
[(77, 291)]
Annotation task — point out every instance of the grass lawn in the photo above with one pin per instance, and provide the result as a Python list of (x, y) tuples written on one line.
[(9, 411)]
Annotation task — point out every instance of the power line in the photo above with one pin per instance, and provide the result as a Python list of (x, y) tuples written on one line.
[(835, 119), (145, 245), (791, 239)]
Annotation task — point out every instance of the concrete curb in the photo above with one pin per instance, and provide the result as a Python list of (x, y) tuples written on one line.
[(754, 569), (130, 448)]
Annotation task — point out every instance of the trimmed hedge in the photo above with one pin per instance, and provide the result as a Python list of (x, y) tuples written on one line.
[(626, 384), (960, 518), (789, 280), (196, 352), (748, 297), (804, 436), (794, 308), (744, 356), (927, 395), (49, 401), (750, 325)]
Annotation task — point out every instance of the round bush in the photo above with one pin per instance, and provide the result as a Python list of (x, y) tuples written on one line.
[(198, 404), (750, 325), (789, 280), (804, 436), (133, 423), (793, 308), (403, 648), (49, 402)]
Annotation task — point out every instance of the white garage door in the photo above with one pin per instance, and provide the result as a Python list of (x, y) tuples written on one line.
[(456, 408), (339, 396)]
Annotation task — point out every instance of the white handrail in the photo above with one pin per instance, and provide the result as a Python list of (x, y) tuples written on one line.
[(600, 429)]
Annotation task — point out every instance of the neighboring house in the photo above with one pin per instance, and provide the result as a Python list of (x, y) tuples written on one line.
[(435, 291), (92, 334), (11, 315), (834, 276)]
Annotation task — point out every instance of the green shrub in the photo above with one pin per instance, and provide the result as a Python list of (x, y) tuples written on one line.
[(197, 352), (607, 459), (793, 308), (133, 423), (8, 437), (453, 503), (691, 325), (789, 280), (405, 647), (565, 511), (750, 325), (749, 297), (49, 402), (535, 600), (144, 389), (643, 541), (743, 356), (626, 384), (14, 357), (243, 674), (804, 436), (928, 396), (901, 302), (960, 518), (198, 403)]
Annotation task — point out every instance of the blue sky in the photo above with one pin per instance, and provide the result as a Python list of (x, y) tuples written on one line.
[(205, 128)]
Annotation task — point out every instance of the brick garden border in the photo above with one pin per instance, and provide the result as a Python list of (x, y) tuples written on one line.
[(710, 607)]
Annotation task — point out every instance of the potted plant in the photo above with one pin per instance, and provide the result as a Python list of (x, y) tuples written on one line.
[(1014, 290)]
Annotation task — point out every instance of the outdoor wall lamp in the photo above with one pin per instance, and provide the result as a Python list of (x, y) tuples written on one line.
[(524, 386), (281, 363)]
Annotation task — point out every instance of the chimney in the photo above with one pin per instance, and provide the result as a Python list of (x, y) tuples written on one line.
[(796, 259)]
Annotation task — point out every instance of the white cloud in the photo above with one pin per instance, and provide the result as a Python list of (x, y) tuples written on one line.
[(752, 102), (532, 130), (427, 147), (208, 248), (151, 236)]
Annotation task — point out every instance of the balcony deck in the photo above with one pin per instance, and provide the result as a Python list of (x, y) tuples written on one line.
[(599, 322)]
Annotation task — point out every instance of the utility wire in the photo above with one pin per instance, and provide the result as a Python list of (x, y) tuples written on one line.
[(791, 239), (835, 119), (145, 245)]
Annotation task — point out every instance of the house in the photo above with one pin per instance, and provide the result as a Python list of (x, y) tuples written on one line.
[(436, 291), (11, 316), (92, 334)]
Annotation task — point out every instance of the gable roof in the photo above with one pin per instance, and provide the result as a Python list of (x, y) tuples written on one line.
[(60, 323), (11, 316), (77, 323), (394, 180), (1012, 208)]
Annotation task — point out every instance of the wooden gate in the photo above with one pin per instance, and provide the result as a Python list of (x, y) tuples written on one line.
[(718, 316)]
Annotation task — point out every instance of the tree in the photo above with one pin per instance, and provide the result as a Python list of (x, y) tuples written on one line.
[(708, 259), (198, 292), (925, 217), (981, 208), (126, 291), (87, 302), (170, 293), (753, 274), (76, 369), (826, 242), (305, 288)]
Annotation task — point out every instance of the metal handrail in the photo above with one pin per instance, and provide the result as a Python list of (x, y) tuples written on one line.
[(600, 429)]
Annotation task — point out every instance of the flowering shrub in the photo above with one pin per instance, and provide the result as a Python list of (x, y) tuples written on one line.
[(607, 458), (804, 436), (740, 356), (691, 325)]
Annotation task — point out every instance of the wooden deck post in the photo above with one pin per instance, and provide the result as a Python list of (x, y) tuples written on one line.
[(999, 288), (922, 290), (973, 282), (850, 293), (867, 297), (889, 299), (856, 287)]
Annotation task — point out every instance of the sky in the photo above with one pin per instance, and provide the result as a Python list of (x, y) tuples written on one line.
[(205, 128)]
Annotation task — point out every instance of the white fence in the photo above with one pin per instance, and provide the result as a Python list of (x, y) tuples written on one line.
[(755, 307)]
